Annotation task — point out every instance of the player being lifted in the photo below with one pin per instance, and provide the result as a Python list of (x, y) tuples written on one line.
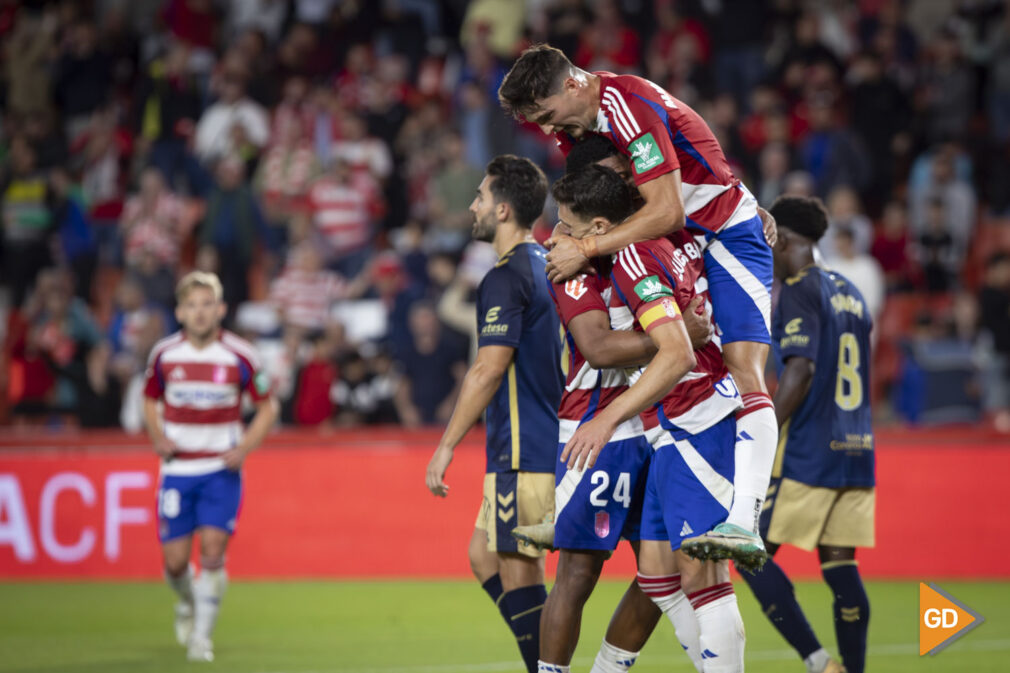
[(822, 491), (198, 375), (516, 378), (684, 179), (594, 509), (689, 401)]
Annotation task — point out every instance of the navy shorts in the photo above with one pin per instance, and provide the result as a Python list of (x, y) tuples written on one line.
[(690, 486), (186, 503), (596, 507)]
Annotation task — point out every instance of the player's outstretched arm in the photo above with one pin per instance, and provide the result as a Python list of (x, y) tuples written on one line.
[(794, 384), (266, 416), (479, 386), (674, 358), (662, 214), (603, 347)]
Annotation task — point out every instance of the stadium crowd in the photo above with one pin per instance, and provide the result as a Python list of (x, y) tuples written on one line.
[(321, 155)]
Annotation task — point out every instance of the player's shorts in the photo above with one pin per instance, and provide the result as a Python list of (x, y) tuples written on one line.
[(514, 499), (738, 265), (594, 508), (186, 503), (690, 486), (807, 516)]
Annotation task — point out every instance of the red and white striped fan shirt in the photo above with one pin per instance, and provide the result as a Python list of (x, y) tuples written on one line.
[(305, 297), (201, 391), (342, 212)]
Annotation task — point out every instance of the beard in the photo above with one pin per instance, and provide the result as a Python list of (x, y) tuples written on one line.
[(484, 229)]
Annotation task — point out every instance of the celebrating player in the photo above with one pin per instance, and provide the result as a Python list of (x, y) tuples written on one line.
[(688, 399), (199, 375), (822, 491), (517, 380), (684, 178)]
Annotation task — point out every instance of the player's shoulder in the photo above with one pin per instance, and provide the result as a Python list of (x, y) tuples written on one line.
[(518, 264), (166, 344), (239, 346), (806, 280)]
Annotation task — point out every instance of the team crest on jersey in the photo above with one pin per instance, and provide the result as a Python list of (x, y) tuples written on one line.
[(575, 288), (177, 374), (651, 289), (219, 375), (645, 154), (262, 382), (671, 308), (602, 524)]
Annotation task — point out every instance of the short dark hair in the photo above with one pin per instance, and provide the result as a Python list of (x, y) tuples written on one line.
[(536, 74), (588, 151), (520, 183), (595, 191), (804, 215)]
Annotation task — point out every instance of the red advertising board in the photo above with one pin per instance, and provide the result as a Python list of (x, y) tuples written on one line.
[(355, 505)]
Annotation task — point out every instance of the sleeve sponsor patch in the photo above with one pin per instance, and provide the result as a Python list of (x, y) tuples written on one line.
[(262, 383), (645, 154), (651, 289)]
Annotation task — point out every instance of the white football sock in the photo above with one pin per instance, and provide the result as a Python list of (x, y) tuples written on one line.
[(612, 659), (544, 667), (182, 585), (818, 661), (721, 631), (757, 435), (209, 590), (666, 593)]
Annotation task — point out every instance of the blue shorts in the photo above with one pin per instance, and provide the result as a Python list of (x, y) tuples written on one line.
[(596, 507), (187, 503), (690, 485), (738, 265)]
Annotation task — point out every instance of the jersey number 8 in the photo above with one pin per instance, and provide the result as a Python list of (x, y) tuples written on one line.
[(849, 384), (622, 489)]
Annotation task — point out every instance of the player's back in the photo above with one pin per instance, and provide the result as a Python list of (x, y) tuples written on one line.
[(515, 309), (674, 275), (828, 439)]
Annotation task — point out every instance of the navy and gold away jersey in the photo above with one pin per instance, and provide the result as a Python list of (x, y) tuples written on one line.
[(514, 308), (828, 441)]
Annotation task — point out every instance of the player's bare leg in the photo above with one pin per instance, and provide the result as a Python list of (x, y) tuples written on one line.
[(179, 575), (757, 437), (578, 573), (483, 563), (632, 623), (209, 591)]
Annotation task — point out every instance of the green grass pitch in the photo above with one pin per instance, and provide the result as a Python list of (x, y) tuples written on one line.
[(424, 627)]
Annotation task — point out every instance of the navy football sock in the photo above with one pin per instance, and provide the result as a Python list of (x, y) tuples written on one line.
[(494, 590), (852, 612), (524, 606), (777, 597)]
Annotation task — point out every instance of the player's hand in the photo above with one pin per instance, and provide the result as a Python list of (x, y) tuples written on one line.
[(585, 445), (163, 446), (771, 230), (234, 457), (568, 257), (437, 466), (698, 322)]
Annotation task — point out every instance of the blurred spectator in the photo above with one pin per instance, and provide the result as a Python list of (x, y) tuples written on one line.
[(100, 151), (294, 109), (740, 60), (266, 16), (82, 79), (831, 153), (607, 43), (234, 125), (26, 54), (937, 252), (433, 365), (153, 228), (798, 183), (890, 247), (27, 220), (994, 320), (861, 269), (807, 49), (947, 92), (343, 207), (305, 291), (231, 229), (498, 23), (167, 105), (78, 246), (365, 390), (994, 52), (845, 212), (453, 188), (194, 22), (773, 166), (135, 327), (365, 154), (312, 404), (956, 197), (283, 180)]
